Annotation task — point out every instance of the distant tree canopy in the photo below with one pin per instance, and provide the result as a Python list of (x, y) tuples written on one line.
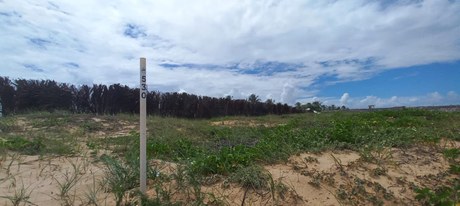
[(317, 106), (27, 95)]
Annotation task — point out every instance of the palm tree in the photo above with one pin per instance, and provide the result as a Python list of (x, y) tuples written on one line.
[(298, 105), (253, 98)]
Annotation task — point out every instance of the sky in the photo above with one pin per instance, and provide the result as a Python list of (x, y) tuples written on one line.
[(349, 52)]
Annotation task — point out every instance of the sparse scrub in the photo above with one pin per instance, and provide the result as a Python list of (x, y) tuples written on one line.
[(91, 126), (13, 158), (454, 169), (120, 177), (22, 145), (231, 150), (452, 154), (442, 195), (93, 192), (39, 143), (226, 161), (69, 179), (252, 177), (21, 196), (376, 154), (8, 124)]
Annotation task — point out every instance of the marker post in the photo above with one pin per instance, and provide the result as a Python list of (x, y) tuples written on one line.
[(143, 126)]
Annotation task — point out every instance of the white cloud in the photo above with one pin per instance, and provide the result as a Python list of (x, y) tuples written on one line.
[(344, 99), (435, 97), (452, 94), (430, 99), (288, 94), (353, 40)]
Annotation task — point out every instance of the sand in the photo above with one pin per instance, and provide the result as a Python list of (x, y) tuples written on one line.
[(386, 176)]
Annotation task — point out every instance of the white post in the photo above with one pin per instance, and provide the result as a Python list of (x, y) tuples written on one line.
[(143, 127)]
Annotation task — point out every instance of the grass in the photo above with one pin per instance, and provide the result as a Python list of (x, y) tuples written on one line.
[(252, 177), (120, 177), (39, 134), (21, 196), (442, 195), (93, 192), (70, 179), (228, 146), (274, 144)]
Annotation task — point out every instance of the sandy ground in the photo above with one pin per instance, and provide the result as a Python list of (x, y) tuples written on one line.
[(382, 177), (43, 178), (345, 177), (240, 123), (386, 176)]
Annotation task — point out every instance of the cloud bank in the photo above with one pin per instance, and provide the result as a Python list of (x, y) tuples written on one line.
[(276, 49), (430, 99)]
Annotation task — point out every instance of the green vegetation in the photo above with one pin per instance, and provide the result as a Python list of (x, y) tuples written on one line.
[(253, 177), (229, 147), (121, 177), (448, 194), (222, 149), (39, 134), (443, 196)]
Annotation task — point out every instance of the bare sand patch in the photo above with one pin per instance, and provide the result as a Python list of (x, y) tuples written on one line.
[(242, 123), (344, 177), (41, 179)]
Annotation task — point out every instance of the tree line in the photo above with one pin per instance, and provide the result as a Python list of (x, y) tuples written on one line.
[(21, 95), (318, 107)]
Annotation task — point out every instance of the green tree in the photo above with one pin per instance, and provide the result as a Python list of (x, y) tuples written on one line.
[(298, 105), (270, 101), (317, 106), (253, 98)]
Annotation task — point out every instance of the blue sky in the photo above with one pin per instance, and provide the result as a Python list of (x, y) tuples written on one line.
[(350, 52), (416, 80)]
